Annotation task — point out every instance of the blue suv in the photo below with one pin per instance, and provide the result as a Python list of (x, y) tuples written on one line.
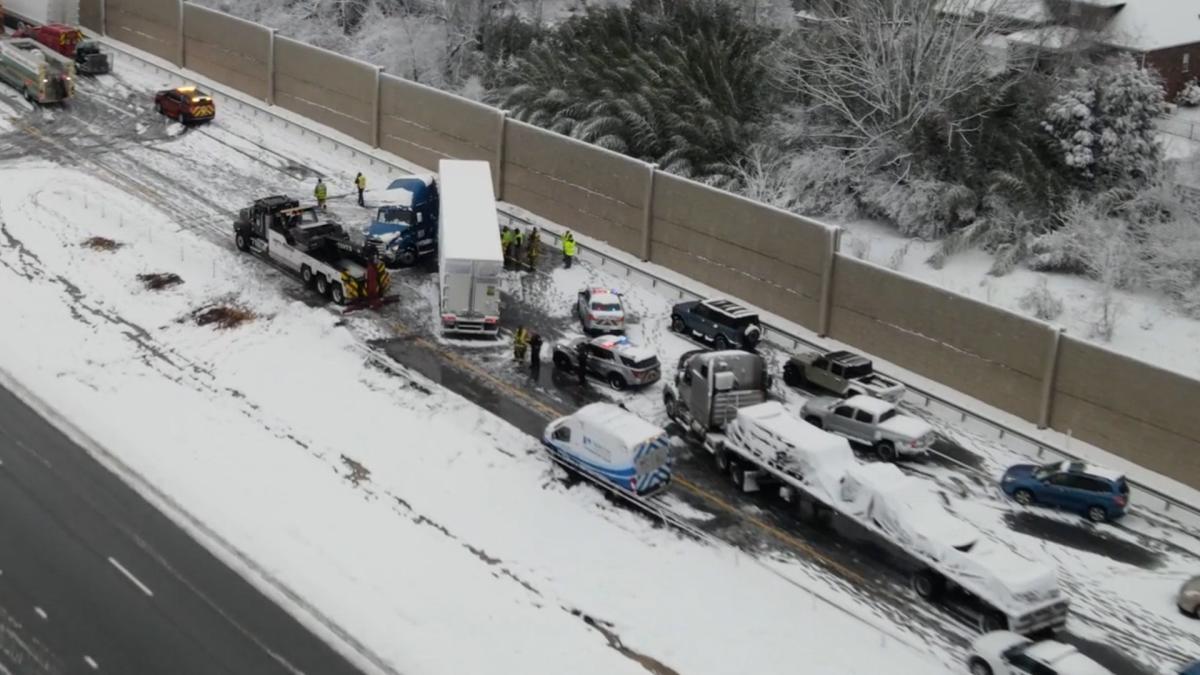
[(1097, 493), (722, 323)]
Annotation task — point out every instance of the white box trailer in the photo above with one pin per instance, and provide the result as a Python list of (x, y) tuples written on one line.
[(43, 11), (469, 256), (766, 445)]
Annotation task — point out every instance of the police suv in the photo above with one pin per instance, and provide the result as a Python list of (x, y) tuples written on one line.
[(600, 311), (611, 358)]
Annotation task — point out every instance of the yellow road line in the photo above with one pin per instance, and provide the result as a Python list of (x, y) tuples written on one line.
[(789, 539)]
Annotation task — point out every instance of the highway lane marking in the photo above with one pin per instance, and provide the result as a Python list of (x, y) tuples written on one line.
[(718, 502), (130, 576), (91, 662), (41, 612)]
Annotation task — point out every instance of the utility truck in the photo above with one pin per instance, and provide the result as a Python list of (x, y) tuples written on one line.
[(469, 256), (297, 238), (721, 400), (41, 75)]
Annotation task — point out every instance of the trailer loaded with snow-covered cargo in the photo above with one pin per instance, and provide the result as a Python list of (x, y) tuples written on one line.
[(721, 399)]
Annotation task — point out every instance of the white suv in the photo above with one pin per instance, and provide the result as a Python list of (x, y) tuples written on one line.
[(1005, 653)]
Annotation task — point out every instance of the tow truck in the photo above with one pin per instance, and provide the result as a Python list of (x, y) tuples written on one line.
[(43, 76), (722, 401), (298, 238), (71, 43)]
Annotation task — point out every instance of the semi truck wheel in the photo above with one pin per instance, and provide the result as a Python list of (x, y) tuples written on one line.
[(407, 257), (306, 275), (241, 242), (322, 285), (338, 294), (928, 584)]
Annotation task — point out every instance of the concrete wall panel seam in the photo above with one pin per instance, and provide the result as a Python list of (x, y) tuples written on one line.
[(648, 211), (1048, 378)]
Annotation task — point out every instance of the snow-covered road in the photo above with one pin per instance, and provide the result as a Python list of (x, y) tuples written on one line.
[(293, 381)]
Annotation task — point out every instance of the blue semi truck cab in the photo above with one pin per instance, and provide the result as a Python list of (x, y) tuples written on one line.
[(404, 227)]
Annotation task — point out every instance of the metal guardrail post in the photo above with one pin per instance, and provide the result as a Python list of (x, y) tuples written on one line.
[(270, 66), (498, 174), (179, 52), (826, 307), (1048, 376), (648, 211), (104, 17)]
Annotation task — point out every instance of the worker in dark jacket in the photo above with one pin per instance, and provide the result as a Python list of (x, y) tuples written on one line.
[(517, 237), (535, 354), (360, 182), (533, 248), (581, 363), (320, 192)]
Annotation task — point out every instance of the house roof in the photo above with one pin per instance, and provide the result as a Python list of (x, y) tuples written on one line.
[(1148, 25)]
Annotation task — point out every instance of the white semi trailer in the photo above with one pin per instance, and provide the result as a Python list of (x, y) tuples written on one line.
[(469, 256)]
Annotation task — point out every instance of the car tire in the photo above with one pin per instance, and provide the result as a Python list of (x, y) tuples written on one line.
[(720, 343), (337, 293), (978, 666), (1097, 514), (793, 375), (815, 421), (616, 381), (561, 361), (886, 451), (306, 275), (322, 285), (751, 336), (992, 621), (927, 584), (1024, 497), (241, 242), (677, 324)]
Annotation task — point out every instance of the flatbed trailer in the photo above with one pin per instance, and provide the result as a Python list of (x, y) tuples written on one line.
[(721, 400)]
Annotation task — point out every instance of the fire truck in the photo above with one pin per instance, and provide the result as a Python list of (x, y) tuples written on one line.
[(41, 75), (71, 43)]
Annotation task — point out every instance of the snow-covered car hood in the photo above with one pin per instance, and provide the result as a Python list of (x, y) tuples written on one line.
[(907, 427)]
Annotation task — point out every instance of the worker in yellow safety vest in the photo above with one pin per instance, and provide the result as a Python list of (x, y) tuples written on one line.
[(568, 249), (507, 238), (520, 342), (360, 182), (320, 193)]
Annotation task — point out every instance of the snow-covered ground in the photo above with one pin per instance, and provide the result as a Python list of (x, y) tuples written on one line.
[(438, 535), (518, 539)]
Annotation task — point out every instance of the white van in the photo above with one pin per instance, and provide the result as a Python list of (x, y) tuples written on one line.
[(612, 446)]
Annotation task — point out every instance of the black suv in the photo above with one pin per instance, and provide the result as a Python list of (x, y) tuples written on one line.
[(723, 323)]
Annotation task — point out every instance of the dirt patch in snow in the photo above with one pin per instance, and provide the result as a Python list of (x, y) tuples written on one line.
[(159, 280), (101, 244), (222, 316), (358, 473)]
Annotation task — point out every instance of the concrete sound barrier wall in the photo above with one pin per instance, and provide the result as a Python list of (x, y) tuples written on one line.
[(1142, 413), (599, 193), (770, 257), (232, 51), (996, 356), (335, 90), (91, 14), (424, 125), (149, 25)]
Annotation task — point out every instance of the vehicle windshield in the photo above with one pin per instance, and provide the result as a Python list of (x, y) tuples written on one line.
[(605, 307), (854, 372), (394, 214)]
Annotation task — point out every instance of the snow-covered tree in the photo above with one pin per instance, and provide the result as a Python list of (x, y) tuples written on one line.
[(1103, 125), (1189, 96)]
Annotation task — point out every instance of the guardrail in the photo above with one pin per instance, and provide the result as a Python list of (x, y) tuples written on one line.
[(915, 396)]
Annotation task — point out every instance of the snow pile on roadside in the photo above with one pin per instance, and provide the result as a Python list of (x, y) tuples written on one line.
[(427, 528)]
